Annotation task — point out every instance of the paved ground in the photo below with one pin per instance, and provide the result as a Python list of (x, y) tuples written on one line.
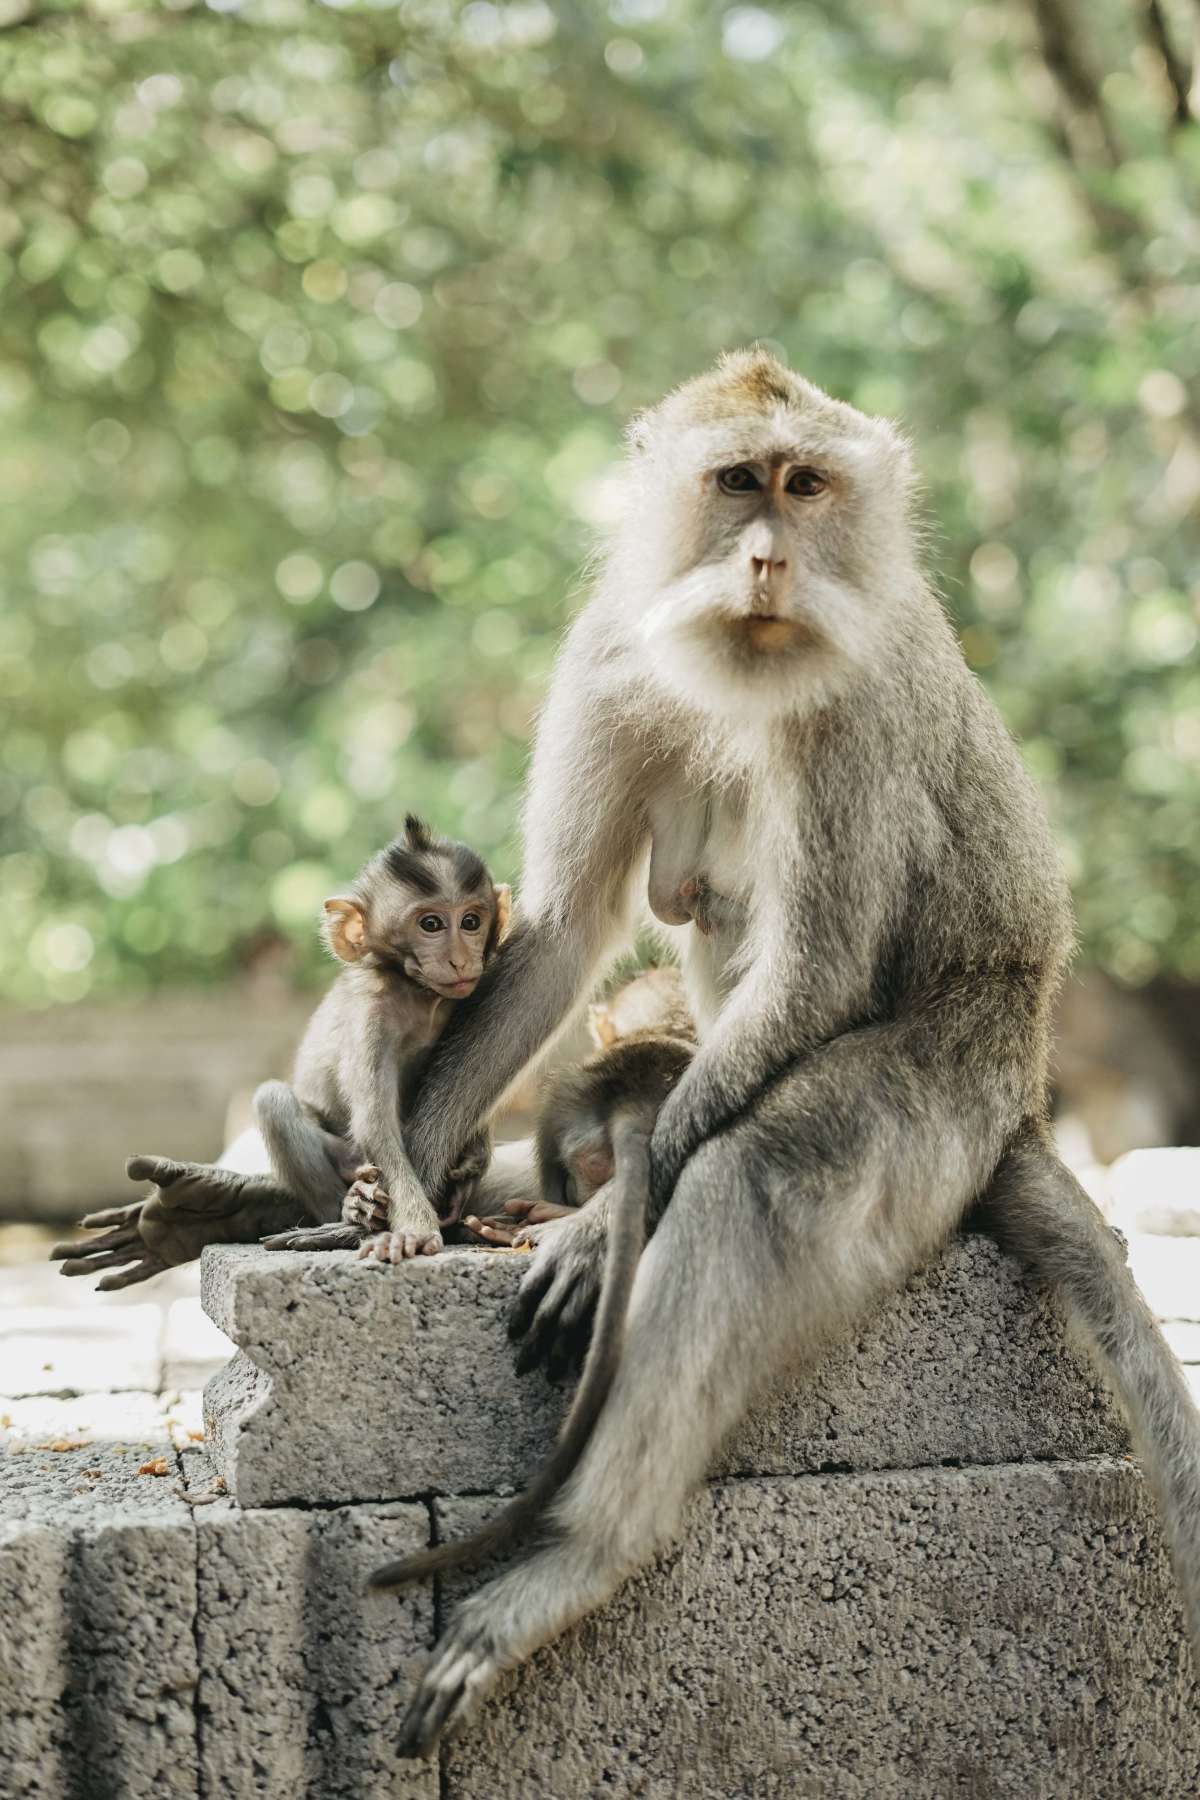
[(59, 1339)]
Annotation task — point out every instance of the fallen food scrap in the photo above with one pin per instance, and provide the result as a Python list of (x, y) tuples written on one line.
[(197, 1437), (65, 1444), (159, 1466)]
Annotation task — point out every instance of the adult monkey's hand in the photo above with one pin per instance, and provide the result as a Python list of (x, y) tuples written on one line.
[(192, 1204)]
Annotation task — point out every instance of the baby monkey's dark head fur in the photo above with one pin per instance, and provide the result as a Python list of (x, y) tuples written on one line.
[(424, 907)]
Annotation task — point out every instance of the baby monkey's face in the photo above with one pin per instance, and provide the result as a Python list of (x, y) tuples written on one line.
[(423, 908), (444, 942)]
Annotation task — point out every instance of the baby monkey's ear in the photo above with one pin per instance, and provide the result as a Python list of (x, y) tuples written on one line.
[(600, 1024), (344, 928), (503, 898)]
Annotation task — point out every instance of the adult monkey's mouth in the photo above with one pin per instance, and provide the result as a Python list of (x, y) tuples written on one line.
[(768, 631)]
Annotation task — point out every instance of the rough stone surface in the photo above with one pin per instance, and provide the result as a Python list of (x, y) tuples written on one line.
[(303, 1674), (1001, 1628), (152, 1647), (97, 1604), (906, 1635), (967, 1364)]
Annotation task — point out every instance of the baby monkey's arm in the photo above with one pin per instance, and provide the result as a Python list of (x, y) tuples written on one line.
[(372, 1080)]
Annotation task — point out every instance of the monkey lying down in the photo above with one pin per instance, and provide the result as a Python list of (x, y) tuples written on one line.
[(763, 705), (414, 933)]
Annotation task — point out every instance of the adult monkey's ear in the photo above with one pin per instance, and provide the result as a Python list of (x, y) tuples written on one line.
[(503, 898), (344, 928)]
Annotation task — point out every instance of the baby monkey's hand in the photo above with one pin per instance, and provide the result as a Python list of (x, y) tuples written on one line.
[(369, 1206), (520, 1226), (366, 1203)]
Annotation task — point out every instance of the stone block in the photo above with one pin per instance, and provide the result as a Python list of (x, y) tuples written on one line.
[(304, 1675), (967, 1364), (904, 1635), (97, 1605)]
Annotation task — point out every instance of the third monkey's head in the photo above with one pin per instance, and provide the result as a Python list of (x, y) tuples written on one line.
[(765, 534), (424, 907)]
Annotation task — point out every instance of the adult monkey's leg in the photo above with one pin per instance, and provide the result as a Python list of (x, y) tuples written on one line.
[(786, 1229), (951, 1074)]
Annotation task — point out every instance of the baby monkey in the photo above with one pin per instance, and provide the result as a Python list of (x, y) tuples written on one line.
[(414, 932), (644, 1038)]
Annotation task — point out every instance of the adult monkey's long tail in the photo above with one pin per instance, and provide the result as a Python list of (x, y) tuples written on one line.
[(626, 1238), (1037, 1210)]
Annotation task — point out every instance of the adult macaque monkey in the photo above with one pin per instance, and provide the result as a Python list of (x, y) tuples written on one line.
[(762, 714), (413, 934)]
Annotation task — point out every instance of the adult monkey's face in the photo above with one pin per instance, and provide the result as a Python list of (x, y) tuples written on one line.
[(765, 538)]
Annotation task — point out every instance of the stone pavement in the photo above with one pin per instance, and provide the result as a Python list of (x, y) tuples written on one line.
[(972, 1598)]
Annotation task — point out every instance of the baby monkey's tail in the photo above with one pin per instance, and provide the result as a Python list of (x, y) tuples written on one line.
[(1037, 1210), (626, 1238)]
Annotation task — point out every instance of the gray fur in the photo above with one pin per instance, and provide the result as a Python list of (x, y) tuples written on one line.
[(762, 705), (356, 1070)]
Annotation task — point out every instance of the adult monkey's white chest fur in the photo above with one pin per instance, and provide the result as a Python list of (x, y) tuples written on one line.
[(701, 882)]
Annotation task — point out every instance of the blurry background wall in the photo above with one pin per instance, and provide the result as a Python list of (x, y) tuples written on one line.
[(318, 329)]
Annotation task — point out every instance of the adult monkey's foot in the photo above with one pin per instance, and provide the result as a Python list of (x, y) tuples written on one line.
[(193, 1204), (364, 1212)]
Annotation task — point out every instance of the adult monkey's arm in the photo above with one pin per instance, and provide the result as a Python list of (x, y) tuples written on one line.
[(585, 832), (186, 1211)]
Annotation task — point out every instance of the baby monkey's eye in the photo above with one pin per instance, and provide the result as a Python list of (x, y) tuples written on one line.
[(430, 922), (808, 483), (471, 921), (738, 480)]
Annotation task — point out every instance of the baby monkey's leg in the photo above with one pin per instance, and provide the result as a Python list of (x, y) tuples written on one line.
[(310, 1163), (313, 1164)]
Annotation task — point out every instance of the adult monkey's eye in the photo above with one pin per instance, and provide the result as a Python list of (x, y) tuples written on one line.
[(470, 921), (738, 480), (807, 483), (430, 922)]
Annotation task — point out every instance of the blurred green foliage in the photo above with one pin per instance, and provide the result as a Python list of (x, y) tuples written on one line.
[(318, 329)]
